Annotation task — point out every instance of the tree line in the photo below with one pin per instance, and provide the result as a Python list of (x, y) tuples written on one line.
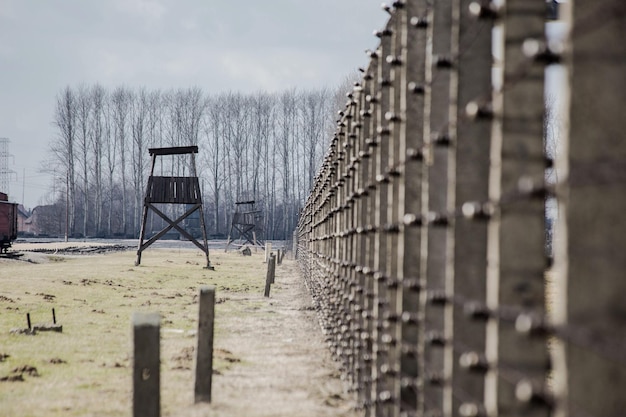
[(263, 146)]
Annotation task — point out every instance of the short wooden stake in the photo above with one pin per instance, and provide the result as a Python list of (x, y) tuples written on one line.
[(146, 365), (28, 320), (268, 251), (204, 354), (269, 278), (281, 253), (54, 317), (273, 267)]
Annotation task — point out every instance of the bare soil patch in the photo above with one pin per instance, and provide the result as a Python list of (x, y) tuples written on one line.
[(270, 357)]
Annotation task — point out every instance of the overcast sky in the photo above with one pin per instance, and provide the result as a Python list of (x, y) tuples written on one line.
[(239, 45)]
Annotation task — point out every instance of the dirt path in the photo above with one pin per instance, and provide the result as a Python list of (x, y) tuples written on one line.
[(285, 368)]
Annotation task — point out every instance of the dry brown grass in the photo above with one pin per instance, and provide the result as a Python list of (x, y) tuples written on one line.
[(86, 369)]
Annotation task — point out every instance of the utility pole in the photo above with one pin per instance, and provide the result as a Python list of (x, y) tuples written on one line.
[(67, 204), (23, 184), (5, 172)]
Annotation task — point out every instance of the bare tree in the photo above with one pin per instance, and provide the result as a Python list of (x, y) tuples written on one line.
[(238, 135), (121, 108), (193, 110), (285, 146), (138, 111), (213, 158), (63, 149), (99, 131), (314, 108), (84, 105), (110, 147)]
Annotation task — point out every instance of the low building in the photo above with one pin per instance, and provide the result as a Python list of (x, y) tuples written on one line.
[(24, 223), (42, 221)]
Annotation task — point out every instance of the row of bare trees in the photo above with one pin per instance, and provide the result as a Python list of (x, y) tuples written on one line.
[(264, 147)]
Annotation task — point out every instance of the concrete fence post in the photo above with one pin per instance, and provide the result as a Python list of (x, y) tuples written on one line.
[(411, 250), (437, 214), (516, 258), (471, 128), (385, 398), (589, 314), (366, 256)]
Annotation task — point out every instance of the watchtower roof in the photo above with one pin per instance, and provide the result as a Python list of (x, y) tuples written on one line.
[(175, 150)]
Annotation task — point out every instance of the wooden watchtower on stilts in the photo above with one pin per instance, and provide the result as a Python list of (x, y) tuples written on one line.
[(244, 224), (173, 190)]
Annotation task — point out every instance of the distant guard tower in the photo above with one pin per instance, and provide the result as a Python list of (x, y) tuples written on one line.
[(244, 224), (173, 190)]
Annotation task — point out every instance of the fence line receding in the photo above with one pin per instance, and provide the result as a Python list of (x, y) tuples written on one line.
[(423, 241)]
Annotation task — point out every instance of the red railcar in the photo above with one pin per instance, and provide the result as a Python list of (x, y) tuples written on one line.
[(8, 222)]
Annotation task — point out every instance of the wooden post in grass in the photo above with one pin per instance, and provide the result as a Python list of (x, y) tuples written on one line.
[(204, 358), (268, 281), (269, 278), (268, 250), (146, 365)]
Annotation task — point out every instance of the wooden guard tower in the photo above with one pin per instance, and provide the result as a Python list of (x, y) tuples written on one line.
[(173, 190), (244, 223)]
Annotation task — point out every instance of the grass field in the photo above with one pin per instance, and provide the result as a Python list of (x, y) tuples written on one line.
[(87, 369)]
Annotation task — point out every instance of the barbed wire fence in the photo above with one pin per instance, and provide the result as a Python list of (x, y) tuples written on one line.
[(423, 241)]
